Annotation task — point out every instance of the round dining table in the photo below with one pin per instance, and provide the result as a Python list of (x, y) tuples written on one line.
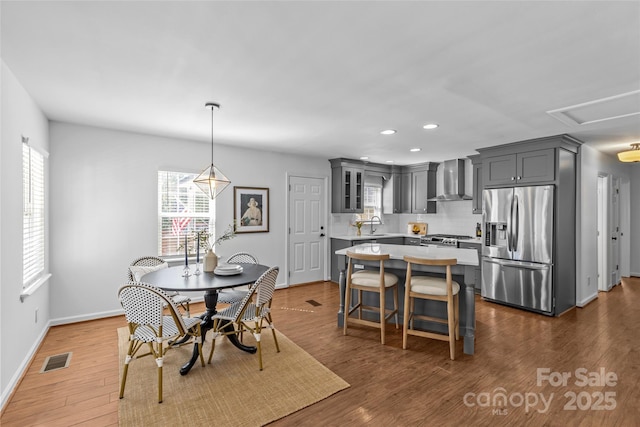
[(173, 279)]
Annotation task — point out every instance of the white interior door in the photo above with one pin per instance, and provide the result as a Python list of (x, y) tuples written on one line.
[(307, 231), (603, 233), (615, 231)]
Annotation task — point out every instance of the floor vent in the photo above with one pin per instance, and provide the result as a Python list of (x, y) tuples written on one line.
[(313, 302), (53, 363)]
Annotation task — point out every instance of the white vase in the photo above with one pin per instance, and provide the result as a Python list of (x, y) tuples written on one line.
[(210, 261)]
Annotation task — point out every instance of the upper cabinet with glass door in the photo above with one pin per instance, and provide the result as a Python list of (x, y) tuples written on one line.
[(347, 187)]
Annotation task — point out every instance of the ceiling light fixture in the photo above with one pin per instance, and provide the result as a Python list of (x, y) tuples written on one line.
[(388, 132), (211, 181), (389, 161), (415, 150), (632, 155), (364, 158), (430, 126)]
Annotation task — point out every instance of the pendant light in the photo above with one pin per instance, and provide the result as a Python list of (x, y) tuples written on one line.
[(632, 155), (211, 181)]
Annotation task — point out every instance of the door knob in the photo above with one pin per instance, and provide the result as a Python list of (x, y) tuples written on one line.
[(321, 234)]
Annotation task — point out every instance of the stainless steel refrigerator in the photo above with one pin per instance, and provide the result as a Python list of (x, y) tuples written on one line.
[(518, 242)]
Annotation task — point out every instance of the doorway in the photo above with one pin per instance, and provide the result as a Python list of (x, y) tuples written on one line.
[(307, 258), (608, 223)]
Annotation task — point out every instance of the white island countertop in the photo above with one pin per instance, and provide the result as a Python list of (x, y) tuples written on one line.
[(374, 236), (464, 256)]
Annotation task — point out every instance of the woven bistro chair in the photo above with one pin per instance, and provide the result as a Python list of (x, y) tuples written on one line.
[(436, 289), (248, 315), (144, 307), (140, 266), (229, 296)]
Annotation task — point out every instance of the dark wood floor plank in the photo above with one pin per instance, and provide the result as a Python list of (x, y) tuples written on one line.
[(389, 386)]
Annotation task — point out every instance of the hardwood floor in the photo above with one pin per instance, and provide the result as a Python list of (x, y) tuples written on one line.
[(389, 386)]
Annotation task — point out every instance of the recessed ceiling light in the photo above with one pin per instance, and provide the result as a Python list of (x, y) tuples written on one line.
[(430, 126), (415, 149), (389, 161), (364, 158), (388, 132)]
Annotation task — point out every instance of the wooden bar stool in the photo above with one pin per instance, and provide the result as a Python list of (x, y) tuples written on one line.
[(432, 288), (370, 281)]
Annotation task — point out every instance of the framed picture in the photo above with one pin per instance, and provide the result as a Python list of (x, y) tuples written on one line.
[(251, 209)]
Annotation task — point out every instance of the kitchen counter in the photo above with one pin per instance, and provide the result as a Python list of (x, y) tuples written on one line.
[(365, 236), (462, 273), (398, 252)]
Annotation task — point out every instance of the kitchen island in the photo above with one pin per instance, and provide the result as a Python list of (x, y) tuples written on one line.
[(467, 260)]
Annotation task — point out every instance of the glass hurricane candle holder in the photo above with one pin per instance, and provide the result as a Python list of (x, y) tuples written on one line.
[(186, 272)]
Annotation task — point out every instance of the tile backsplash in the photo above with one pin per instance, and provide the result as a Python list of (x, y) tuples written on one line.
[(451, 218)]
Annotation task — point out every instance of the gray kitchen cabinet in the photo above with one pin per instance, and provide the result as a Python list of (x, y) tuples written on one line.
[(347, 187), (526, 167), (476, 203), (396, 193), (405, 189), (423, 187), (477, 271)]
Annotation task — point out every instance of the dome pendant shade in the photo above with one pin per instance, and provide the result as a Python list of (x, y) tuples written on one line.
[(211, 181), (632, 155)]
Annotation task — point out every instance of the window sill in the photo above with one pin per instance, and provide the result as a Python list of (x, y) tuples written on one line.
[(32, 288)]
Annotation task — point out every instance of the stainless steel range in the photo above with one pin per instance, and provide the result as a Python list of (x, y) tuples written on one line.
[(450, 240)]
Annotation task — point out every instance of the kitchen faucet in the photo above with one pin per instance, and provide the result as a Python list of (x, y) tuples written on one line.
[(373, 230)]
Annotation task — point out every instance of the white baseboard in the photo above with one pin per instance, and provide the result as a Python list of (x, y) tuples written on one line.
[(17, 375), (587, 300), (13, 383)]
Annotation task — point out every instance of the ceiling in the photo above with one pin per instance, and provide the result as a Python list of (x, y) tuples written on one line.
[(324, 78)]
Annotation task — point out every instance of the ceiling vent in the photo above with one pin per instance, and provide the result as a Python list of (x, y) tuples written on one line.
[(613, 107)]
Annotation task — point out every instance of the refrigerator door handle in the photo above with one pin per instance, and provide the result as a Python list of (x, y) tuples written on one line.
[(527, 265), (511, 227), (516, 220)]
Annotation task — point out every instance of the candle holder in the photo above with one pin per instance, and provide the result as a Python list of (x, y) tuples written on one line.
[(186, 272), (197, 272)]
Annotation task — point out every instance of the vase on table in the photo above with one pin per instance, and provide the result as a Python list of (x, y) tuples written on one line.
[(210, 261), (359, 232)]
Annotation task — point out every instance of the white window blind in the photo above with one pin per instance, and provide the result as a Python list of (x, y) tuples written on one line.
[(33, 215), (182, 210), (372, 202)]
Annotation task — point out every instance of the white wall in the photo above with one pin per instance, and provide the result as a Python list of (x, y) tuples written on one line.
[(20, 333), (592, 163), (635, 224), (104, 207)]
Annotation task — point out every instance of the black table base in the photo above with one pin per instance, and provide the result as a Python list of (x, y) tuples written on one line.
[(210, 301)]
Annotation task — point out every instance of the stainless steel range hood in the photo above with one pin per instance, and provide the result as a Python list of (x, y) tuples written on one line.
[(454, 181)]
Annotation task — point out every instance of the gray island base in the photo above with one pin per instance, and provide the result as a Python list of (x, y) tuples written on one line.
[(463, 273)]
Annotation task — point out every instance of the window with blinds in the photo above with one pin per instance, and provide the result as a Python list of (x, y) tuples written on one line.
[(182, 210), (33, 222), (372, 197)]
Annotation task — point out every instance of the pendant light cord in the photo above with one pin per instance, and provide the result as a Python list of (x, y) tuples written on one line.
[(212, 108)]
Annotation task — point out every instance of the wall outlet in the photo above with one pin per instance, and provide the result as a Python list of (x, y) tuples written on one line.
[(36, 314)]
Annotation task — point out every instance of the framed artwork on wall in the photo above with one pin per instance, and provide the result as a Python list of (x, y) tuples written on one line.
[(251, 209)]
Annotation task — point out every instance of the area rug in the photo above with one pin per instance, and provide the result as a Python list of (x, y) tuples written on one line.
[(231, 391)]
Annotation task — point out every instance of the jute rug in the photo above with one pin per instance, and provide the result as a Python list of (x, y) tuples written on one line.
[(231, 391)]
